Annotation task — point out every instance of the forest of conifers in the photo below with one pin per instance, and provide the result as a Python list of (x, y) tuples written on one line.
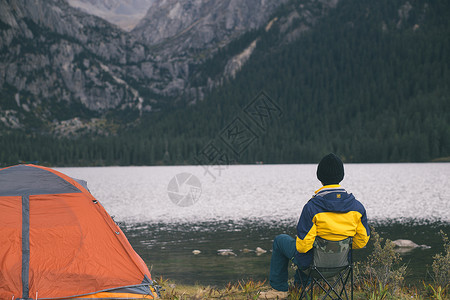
[(359, 84)]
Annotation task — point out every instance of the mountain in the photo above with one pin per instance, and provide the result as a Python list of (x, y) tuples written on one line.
[(62, 68), (57, 63), (194, 26), (365, 79), (289, 22), (123, 13)]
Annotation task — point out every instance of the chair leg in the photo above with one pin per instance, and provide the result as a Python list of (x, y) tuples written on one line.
[(351, 282), (302, 293), (306, 293), (347, 274), (331, 289), (343, 288), (305, 287), (344, 284)]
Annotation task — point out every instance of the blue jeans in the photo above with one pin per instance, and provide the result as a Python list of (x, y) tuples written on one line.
[(283, 251)]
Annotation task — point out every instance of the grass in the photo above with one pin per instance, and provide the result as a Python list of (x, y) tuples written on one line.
[(240, 290), (251, 289)]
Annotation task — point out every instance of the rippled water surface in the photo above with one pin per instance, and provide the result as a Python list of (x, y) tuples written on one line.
[(244, 207)]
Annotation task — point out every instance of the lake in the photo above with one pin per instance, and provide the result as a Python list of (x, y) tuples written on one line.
[(169, 211)]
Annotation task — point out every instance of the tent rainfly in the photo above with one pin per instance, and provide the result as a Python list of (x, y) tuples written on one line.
[(58, 242)]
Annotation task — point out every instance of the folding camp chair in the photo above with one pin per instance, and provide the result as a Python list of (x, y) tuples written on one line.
[(331, 269)]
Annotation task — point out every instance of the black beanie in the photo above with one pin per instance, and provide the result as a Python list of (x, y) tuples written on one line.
[(330, 169)]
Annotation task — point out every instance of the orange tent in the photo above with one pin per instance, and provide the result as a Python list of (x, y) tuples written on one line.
[(58, 242)]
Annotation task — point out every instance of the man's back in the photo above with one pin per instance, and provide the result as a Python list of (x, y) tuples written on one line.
[(333, 214)]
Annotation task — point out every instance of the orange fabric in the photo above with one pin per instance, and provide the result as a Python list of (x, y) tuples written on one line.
[(75, 247), (10, 246)]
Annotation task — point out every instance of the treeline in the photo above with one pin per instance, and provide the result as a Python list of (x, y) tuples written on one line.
[(363, 82)]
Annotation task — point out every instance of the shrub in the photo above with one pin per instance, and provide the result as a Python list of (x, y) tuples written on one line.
[(381, 273), (441, 271)]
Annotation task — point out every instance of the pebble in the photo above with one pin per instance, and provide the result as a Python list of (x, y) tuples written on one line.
[(226, 252), (260, 251), (408, 244)]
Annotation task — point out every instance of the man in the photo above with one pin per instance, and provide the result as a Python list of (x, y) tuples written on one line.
[(332, 213)]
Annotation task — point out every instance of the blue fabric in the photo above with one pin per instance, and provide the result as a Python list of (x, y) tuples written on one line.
[(25, 246), (284, 251)]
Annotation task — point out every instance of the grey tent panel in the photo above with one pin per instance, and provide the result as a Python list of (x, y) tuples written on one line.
[(28, 180), (143, 288), (82, 182)]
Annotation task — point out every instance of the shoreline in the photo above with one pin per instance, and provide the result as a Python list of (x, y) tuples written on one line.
[(251, 289)]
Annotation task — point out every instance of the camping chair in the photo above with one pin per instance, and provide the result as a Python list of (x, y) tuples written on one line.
[(331, 269)]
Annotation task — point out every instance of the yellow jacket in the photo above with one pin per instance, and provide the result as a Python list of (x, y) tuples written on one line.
[(332, 214)]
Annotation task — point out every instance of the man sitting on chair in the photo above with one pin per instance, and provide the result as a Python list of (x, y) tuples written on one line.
[(332, 213)]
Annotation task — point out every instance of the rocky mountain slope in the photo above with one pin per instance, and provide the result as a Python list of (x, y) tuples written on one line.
[(124, 13), (57, 62), (60, 66), (199, 25)]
